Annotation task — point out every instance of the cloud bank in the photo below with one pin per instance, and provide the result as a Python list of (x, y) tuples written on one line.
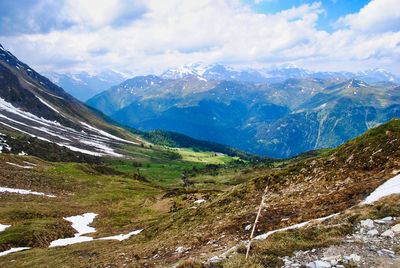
[(141, 37)]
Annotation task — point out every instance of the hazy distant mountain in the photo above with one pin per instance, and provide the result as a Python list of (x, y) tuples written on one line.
[(221, 72), (84, 85), (279, 119)]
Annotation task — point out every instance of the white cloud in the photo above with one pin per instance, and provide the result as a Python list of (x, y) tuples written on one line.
[(377, 16), (158, 34)]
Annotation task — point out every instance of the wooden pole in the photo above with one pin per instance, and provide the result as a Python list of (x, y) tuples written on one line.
[(255, 222)]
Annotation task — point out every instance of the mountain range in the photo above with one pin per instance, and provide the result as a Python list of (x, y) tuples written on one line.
[(274, 119), (30, 104), (272, 75), (84, 85), (64, 166)]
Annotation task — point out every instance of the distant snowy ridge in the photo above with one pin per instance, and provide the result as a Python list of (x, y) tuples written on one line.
[(271, 75)]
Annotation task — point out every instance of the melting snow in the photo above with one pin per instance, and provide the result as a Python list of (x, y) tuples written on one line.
[(102, 147), (299, 225), (391, 186), (3, 227), (10, 108), (73, 148), (22, 191), (29, 163), (81, 224), (48, 105), (121, 237), (70, 241), (106, 134), (16, 165), (12, 250)]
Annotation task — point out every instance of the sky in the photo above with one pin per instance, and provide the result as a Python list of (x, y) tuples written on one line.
[(148, 36)]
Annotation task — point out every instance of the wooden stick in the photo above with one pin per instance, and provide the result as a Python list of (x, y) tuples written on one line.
[(255, 222)]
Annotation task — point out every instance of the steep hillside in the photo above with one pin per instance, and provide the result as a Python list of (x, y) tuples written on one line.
[(32, 105), (331, 117), (278, 120)]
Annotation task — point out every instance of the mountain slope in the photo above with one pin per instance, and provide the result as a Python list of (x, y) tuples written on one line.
[(31, 104), (278, 120), (307, 189)]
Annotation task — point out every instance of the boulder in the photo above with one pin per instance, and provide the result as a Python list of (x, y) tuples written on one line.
[(373, 232), (319, 264), (368, 223), (355, 257), (396, 229), (388, 233)]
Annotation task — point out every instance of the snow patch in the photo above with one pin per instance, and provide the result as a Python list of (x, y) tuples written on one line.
[(12, 250), (106, 134), (199, 201), (12, 109), (48, 105), (102, 147), (3, 227), (81, 224), (70, 241), (121, 237), (299, 225), (22, 191), (76, 149), (392, 186), (16, 165)]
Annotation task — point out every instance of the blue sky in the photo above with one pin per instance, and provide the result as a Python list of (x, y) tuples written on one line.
[(149, 36), (333, 9)]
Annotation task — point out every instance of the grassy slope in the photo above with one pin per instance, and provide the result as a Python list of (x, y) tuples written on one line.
[(308, 188)]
